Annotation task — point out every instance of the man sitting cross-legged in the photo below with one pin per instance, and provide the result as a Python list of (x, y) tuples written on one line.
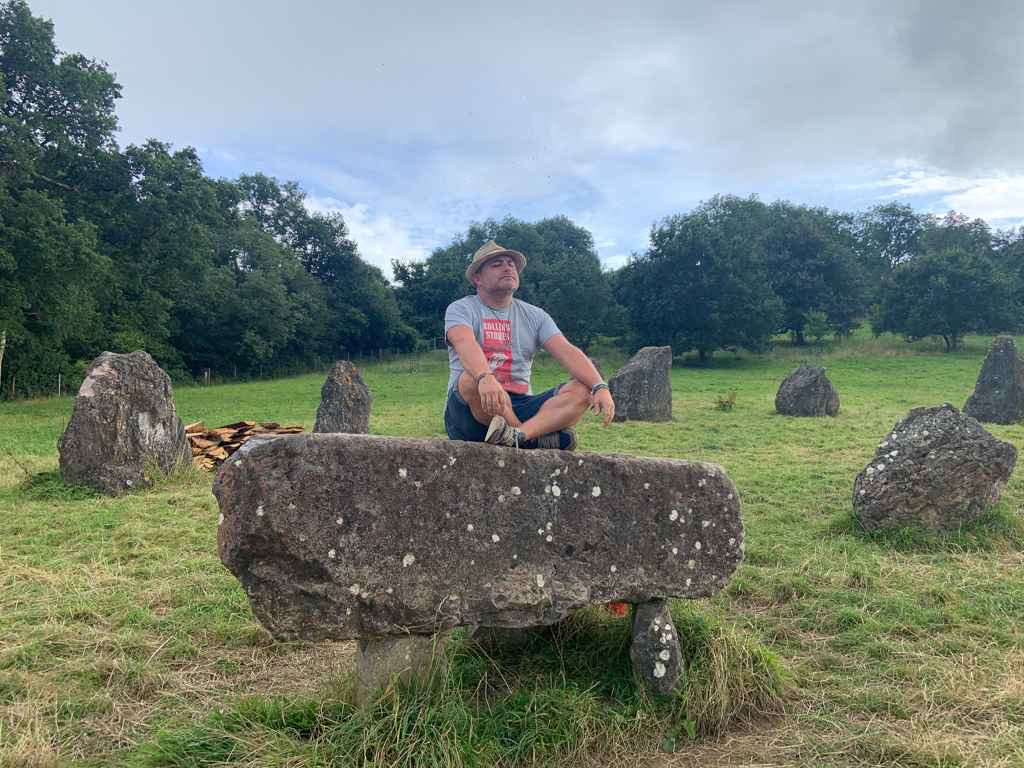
[(492, 339)]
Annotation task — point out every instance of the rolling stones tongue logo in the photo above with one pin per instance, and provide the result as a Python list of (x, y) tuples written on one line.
[(498, 350)]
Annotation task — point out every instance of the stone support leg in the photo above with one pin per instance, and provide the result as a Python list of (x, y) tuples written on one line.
[(407, 660), (655, 652)]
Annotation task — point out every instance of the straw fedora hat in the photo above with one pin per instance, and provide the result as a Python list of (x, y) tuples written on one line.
[(489, 250)]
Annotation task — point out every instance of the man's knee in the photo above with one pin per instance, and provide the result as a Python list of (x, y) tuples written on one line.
[(578, 392)]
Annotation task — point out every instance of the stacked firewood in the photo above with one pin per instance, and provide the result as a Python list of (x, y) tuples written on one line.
[(211, 446)]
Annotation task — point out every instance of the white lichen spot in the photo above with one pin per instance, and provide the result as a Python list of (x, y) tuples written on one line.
[(469, 527), (894, 453), (696, 545), (291, 506), (926, 433), (390, 590), (540, 531), (354, 589), (880, 467), (690, 564), (402, 472), (688, 582), (348, 611), (220, 519), (501, 462), (664, 639), (657, 621), (340, 521), (659, 669), (417, 483), (701, 483), (259, 511), (547, 489), (705, 523), (515, 557), (522, 472), (581, 462), (871, 470), (646, 486), (451, 461), (540, 581), (675, 550), (330, 553), (556, 491), (884, 444), (408, 560), (729, 496), (673, 515), (472, 562), (302, 537), (549, 538), (501, 497), (548, 526), (732, 541), (614, 569), (595, 491), (495, 538), (862, 491), (448, 514), (665, 655), (575, 495)]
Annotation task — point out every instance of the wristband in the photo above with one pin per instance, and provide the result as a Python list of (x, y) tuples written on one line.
[(485, 373), (599, 385)]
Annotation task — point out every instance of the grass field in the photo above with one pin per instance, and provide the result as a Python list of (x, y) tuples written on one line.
[(123, 641)]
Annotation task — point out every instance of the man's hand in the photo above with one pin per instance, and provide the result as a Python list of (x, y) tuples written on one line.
[(493, 399), (603, 403)]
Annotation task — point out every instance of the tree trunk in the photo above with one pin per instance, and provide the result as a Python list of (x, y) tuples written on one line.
[(800, 337), (702, 357), (3, 346)]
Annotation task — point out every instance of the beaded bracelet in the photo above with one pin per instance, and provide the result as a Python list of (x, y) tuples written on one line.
[(485, 373), (599, 385)]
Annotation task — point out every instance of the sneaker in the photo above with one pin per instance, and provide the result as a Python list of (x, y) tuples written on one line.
[(562, 440), (500, 433)]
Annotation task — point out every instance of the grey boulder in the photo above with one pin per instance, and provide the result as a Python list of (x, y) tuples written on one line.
[(935, 470), (123, 427), (341, 536), (345, 402), (999, 392), (642, 388), (806, 391)]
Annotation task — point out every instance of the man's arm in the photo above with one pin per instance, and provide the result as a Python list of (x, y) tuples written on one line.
[(573, 359), (493, 398)]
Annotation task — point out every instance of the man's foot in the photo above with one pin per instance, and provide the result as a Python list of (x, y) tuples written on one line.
[(562, 440), (500, 433)]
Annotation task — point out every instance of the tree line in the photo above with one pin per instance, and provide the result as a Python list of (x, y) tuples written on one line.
[(110, 248)]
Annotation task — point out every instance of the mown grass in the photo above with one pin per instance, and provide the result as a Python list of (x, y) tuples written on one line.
[(124, 641)]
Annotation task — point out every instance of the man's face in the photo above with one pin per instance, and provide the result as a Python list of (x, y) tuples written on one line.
[(498, 275)]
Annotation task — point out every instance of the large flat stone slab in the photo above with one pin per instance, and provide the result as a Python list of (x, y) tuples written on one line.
[(339, 536)]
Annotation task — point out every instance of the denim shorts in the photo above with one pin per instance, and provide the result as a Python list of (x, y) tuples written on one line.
[(460, 424)]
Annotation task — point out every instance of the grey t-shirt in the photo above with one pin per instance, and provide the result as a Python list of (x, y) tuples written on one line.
[(509, 337)]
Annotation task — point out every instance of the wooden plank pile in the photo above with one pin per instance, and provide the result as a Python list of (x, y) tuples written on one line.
[(211, 446)]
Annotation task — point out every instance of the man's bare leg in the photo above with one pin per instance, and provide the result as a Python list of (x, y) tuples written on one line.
[(560, 412)]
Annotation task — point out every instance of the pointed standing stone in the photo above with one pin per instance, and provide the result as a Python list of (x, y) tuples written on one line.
[(344, 402), (642, 388), (999, 393), (655, 653), (123, 427)]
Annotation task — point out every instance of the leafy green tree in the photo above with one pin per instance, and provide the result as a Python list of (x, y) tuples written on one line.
[(700, 287), (812, 267), (889, 235), (947, 293)]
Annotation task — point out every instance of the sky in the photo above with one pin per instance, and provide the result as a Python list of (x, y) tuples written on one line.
[(414, 119)]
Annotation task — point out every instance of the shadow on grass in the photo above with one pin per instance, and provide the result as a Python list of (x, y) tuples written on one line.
[(47, 486), (568, 697), (996, 530)]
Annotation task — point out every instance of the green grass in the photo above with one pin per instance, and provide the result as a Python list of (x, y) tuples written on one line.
[(124, 641)]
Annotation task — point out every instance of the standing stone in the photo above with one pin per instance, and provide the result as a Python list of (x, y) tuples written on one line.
[(123, 427), (999, 394), (936, 470), (597, 366), (407, 660), (642, 388), (655, 653), (344, 402), (341, 536), (806, 391)]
